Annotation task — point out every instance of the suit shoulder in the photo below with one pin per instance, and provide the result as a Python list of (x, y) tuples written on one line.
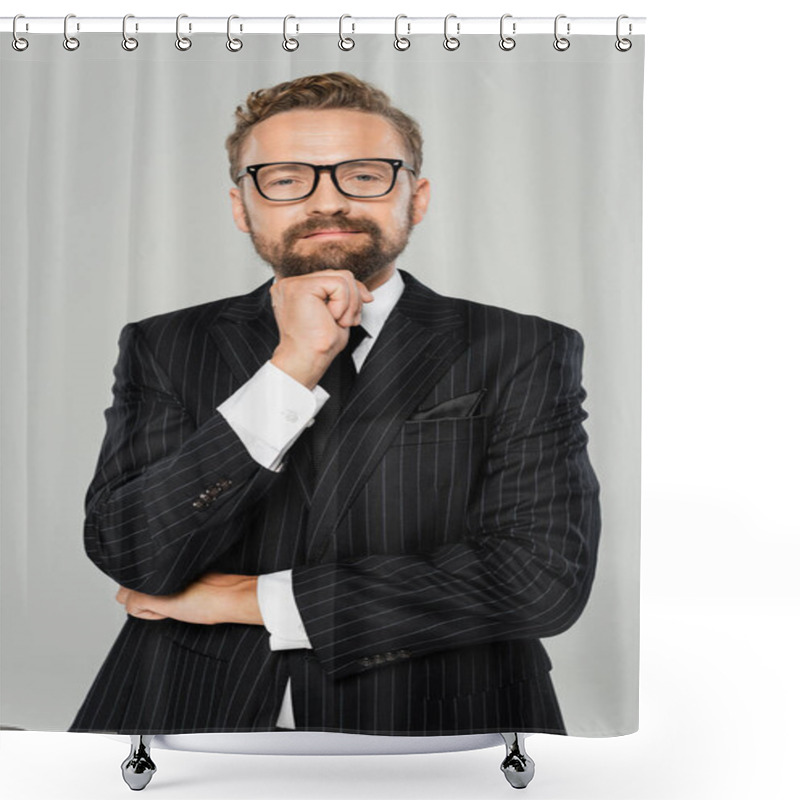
[(489, 320), (498, 328), (200, 316)]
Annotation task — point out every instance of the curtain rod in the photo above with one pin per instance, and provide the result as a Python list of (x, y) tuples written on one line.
[(349, 24)]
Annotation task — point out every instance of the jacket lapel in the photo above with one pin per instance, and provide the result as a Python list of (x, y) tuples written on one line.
[(422, 337), (246, 332)]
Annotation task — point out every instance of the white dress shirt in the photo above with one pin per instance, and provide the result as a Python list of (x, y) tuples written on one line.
[(269, 413)]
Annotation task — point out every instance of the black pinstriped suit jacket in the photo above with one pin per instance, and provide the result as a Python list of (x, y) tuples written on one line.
[(454, 523)]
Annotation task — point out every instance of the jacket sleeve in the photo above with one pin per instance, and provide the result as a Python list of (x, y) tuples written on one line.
[(525, 564), (166, 490)]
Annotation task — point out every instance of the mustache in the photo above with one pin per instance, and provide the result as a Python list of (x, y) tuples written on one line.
[(302, 229)]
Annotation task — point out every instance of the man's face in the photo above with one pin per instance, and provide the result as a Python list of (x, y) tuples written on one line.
[(328, 230)]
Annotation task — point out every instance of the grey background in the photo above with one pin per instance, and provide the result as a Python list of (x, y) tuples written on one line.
[(114, 207)]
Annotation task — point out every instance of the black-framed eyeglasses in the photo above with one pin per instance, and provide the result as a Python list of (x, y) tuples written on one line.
[(362, 178)]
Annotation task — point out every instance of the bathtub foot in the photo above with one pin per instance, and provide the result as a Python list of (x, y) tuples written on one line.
[(517, 766), (138, 768)]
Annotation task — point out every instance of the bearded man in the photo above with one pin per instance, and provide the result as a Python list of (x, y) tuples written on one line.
[(342, 502)]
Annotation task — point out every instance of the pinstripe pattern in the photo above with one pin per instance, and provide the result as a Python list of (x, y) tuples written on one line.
[(428, 561)]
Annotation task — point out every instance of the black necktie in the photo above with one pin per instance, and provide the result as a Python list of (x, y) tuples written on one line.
[(337, 381)]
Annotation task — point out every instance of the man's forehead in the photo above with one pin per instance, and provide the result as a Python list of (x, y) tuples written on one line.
[(307, 133)]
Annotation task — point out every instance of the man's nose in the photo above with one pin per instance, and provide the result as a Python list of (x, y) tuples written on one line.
[(327, 199)]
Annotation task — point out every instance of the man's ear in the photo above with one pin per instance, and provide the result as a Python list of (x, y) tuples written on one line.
[(420, 200), (239, 211)]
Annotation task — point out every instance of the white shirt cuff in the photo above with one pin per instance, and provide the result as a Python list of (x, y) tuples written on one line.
[(270, 411), (280, 613)]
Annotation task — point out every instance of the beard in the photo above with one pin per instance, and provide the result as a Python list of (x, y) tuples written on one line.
[(377, 252)]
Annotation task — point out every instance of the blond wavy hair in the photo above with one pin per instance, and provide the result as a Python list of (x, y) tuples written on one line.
[(329, 90)]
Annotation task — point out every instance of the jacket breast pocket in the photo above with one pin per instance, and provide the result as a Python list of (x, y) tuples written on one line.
[(418, 495), (445, 453), (440, 432), (465, 405), (426, 479)]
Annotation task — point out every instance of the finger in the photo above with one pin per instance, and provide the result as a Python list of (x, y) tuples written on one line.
[(344, 299), (143, 613), (354, 310), (353, 316), (360, 295), (366, 294), (137, 602), (366, 297), (122, 595)]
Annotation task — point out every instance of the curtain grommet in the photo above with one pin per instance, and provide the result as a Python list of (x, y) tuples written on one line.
[(129, 43), (346, 43), (19, 43), (623, 44), (233, 44), (561, 43), (70, 43), (401, 43), (507, 42), (183, 43), (451, 43), (289, 44)]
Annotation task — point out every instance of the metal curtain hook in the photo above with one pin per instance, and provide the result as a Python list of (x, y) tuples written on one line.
[(70, 42), (507, 42), (129, 43), (182, 42), (18, 43), (623, 45), (451, 42), (400, 42), (345, 42), (233, 44), (289, 44), (561, 43)]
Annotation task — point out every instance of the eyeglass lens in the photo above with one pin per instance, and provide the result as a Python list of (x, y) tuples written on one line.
[(357, 178)]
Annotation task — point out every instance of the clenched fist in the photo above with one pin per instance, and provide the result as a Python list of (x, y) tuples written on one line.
[(314, 313)]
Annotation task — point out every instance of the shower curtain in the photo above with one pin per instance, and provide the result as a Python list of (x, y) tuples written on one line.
[(116, 209)]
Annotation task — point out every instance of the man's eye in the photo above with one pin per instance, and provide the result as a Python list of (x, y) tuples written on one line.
[(365, 178), (282, 182)]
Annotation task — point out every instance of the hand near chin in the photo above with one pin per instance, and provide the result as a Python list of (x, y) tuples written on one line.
[(314, 313)]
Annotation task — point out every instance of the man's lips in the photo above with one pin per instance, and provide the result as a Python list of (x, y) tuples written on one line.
[(335, 232)]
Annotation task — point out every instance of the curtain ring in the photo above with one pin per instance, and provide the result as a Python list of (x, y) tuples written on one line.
[(400, 42), (70, 42), (345, 42), (233, 44), (451, 42), (289, 44), (623, 45), (129, 43), (561, 43), (18, 43), (507, 42), (182, 42)]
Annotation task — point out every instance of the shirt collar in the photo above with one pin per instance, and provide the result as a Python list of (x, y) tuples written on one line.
[(375, 314)]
